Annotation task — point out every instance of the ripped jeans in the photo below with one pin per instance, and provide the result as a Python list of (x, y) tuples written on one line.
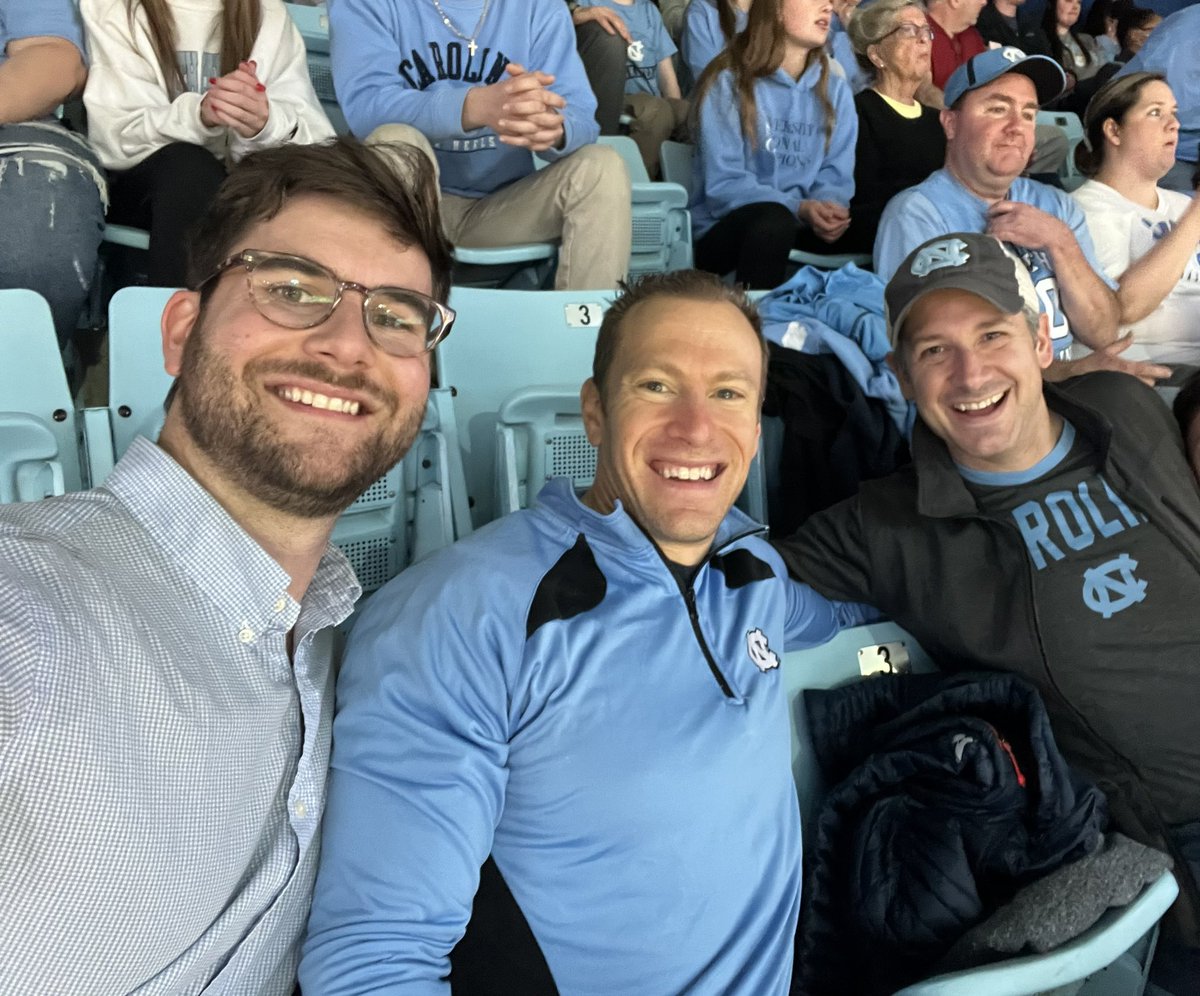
[(51, 217)]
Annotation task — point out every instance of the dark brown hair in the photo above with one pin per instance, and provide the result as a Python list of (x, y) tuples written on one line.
[(692, 285), (757, 52), (1113, 100), (1057, 48), (392, 183), (240, 21)]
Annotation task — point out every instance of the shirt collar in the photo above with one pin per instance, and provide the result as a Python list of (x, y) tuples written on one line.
[(205, 543)]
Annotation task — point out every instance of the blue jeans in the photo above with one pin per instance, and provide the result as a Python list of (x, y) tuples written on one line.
[(52, 219)]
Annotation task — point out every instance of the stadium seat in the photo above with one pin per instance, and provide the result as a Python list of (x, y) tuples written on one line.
[(525, 266), (313, 24), (39, 447), (1072, 127), (137, 382), (1112, 958), (502, 342), (416, 508), (677, 166), (127, 236), (662, 224), (540, 435)]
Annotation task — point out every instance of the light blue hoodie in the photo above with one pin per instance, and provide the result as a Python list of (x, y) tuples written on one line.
[(702, 38), (790, 163), (396, 62)]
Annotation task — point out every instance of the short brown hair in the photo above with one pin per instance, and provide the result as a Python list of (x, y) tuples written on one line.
[(392, 183), (694, 285)]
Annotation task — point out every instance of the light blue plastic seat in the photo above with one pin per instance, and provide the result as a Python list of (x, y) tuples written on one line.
[(1070, 125), (127, 236), (1112, 958), (662, 224), (39, 446), (419, 506), (677, 166), (502, 342), (313, 24), (525, 266)]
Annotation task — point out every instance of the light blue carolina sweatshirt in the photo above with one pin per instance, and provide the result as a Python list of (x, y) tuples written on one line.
[(396, 62), (790, 163), (702, 38)]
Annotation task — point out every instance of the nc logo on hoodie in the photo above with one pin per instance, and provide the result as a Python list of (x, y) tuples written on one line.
[(763, 656)]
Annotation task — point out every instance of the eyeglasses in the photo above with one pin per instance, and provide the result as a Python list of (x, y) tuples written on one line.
[(299, 293), (914, 32)]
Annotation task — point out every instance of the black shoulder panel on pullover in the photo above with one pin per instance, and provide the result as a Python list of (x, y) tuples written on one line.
[(741, 568), (571, 587)]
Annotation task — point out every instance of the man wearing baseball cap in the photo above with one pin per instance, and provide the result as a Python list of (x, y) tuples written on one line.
[(1049, 530), (991, 108)]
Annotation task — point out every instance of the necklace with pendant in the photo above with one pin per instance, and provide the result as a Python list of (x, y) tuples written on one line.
[(471, 46)]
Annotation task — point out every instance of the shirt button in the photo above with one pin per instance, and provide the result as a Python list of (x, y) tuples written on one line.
[(246, 635), (300, 810), (281, 605)]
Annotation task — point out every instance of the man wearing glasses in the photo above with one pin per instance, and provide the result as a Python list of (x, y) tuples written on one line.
[(584, 700), (165, 671)]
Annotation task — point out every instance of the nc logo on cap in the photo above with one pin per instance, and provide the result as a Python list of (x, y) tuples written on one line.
[(948, 252), (1012, 54)]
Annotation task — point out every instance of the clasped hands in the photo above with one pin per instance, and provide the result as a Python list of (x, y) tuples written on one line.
[(828, 219), (522, 109), (237, 101)]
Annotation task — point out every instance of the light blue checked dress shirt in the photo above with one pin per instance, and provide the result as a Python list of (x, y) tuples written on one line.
[(162, 761)]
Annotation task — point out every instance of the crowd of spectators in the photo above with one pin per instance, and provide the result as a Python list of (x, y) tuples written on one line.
[(807, 116)]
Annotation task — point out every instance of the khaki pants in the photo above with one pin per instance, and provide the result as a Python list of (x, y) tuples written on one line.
[(654, 120), (582, 199)]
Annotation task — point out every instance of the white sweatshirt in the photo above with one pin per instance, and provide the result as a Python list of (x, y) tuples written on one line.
[(130, 113)]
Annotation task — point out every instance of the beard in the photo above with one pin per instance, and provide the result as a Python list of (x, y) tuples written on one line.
[(314, 478)]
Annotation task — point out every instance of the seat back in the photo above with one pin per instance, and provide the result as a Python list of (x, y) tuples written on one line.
[(502, 342), (137, 381), (847, 657), (39, 445), (677, 163), (540, 435), (662, 224), (313, 25), (29, 466), (1070, 125)]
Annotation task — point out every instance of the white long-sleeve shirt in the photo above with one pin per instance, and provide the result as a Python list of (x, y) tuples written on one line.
[(131, 113)]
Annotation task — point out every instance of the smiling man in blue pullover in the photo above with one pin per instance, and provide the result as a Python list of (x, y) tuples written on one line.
[(478, 85), (585, 700)]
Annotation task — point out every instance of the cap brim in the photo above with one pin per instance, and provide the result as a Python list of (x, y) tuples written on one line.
[(968, 284), (1047, 75)]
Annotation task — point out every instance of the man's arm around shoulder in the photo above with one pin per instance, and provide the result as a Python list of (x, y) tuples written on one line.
[(830, 554)]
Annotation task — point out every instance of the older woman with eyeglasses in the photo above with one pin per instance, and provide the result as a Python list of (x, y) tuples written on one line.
[(900, 141), (1146, 237)]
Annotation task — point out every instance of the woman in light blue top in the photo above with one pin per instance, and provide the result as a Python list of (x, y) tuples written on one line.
[(707, 28), (777, 130)]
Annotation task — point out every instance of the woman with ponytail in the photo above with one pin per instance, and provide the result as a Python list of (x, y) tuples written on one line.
[(1146, 237), (179, 89), (777, 128)]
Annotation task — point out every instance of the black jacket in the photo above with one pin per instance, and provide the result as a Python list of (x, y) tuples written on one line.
[(1028, 37), (949, 795), (914, 545)]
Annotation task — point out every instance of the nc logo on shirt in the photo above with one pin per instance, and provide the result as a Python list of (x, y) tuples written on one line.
[(763, 656), (1012, 54), (635, 51), (948, 252)]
